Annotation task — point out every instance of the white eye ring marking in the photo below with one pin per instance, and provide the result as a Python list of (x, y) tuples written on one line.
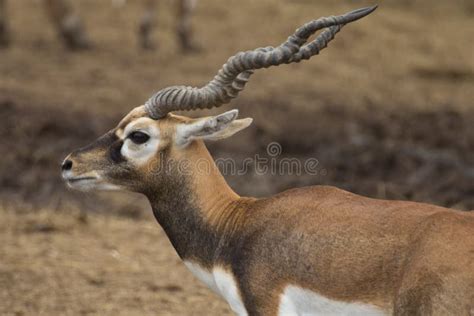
[(140, 154)]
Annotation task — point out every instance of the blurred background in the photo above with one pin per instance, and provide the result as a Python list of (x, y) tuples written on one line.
[(387, 110)]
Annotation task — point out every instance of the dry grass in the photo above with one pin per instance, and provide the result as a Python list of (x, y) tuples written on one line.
[(59, 264)]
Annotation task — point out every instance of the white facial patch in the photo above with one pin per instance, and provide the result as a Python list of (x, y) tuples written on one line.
[(297, 301), (140, 154)]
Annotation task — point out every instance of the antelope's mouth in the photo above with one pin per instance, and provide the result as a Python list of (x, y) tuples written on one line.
[(77, 179), (82, 183), (89, 183)]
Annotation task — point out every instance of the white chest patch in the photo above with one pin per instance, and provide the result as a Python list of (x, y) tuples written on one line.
[(221, 282), (296, 301)]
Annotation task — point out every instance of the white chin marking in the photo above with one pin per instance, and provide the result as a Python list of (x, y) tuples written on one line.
[(89, 185), (296, 301), (88, 182), (221, 282), (108, 187)]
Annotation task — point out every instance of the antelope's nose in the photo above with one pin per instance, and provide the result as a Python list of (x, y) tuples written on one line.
[(66, 165)]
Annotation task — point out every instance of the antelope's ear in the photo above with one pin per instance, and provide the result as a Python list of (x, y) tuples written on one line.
[(211, 128)]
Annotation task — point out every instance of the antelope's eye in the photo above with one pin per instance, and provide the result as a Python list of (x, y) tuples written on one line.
[(138, 137)]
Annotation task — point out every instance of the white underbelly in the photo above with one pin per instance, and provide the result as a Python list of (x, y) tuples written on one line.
[(294, 301)]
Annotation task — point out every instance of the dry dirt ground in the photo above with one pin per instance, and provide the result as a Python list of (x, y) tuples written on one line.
[(387, 110)]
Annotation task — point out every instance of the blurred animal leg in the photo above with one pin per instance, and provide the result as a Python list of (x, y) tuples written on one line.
[(184, 29), (68, 24), (146, 25), (4, 36)]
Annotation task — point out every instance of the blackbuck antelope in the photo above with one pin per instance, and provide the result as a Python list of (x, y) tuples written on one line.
[(308, 251), (70, 26)]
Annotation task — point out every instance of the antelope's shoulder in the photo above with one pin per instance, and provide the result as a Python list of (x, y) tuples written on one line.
[(312, 193), (310, 198), (333, 198)]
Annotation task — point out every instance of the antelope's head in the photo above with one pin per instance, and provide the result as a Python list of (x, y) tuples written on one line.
[(139, 149), (135, 151)]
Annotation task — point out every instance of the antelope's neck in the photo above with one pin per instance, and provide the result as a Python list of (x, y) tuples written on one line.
[(199, 212)]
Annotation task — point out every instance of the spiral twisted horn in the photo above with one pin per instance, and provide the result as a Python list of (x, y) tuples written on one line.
[(234, 74)]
